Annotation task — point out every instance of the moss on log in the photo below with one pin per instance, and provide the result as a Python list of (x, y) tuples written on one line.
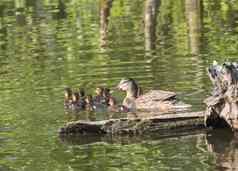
[(160, 123)]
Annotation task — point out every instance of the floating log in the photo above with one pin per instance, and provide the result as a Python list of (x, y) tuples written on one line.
[(137, 125), (222, 106)]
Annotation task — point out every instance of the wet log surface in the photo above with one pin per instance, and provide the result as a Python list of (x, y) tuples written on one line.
[(222, 106), (155, 123)]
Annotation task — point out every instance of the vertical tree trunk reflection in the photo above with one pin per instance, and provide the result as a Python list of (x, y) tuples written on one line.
[(193, 10), (20, 14), (3, 28), (224, 144), (150, 15), (105, 8), (62, 10)]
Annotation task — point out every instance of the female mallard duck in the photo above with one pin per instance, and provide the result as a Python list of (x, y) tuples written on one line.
[(154, 100)]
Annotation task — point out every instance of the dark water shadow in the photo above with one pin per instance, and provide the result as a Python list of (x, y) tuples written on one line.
[(224, 144), (127, 139)]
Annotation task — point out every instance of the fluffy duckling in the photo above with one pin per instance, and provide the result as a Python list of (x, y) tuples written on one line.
[(112, 104), (81, 93), (97, 103), (113, 107), (82, 99), (77, 103), (99, 99), (67, 97), (89, 103), (109, 100)]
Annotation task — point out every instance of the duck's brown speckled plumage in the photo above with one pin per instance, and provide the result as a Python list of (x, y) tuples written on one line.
[(154, 100)]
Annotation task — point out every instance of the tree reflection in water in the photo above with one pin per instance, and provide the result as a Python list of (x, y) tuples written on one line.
[(193, 11), (150, 19), (105, 8), (224, 144)]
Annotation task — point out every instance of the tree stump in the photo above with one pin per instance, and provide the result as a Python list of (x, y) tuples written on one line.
[(222, 105)]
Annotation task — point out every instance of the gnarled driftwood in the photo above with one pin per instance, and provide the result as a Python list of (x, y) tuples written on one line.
[(222, 106)]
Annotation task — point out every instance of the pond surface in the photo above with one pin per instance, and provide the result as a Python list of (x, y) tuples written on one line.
[(46, 45)]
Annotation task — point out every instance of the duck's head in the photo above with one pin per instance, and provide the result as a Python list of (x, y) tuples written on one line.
[(99, 91), (68, 93), (89, 99), (75, 97), (130, 86), (106, 92), (81, 92)]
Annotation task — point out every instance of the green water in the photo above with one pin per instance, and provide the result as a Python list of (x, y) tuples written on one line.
[(46, 45)]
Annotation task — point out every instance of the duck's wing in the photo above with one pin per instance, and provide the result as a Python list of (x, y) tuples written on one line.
[(154, 98), (158, 95)]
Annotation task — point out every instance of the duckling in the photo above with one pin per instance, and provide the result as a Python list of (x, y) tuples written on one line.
[(82, 101), (98, 102), (113, 107), (109, 100), (163, 101), (81, 93), (111, 103), (67, 97), (89, 103), (77, 102), (99, 99)]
